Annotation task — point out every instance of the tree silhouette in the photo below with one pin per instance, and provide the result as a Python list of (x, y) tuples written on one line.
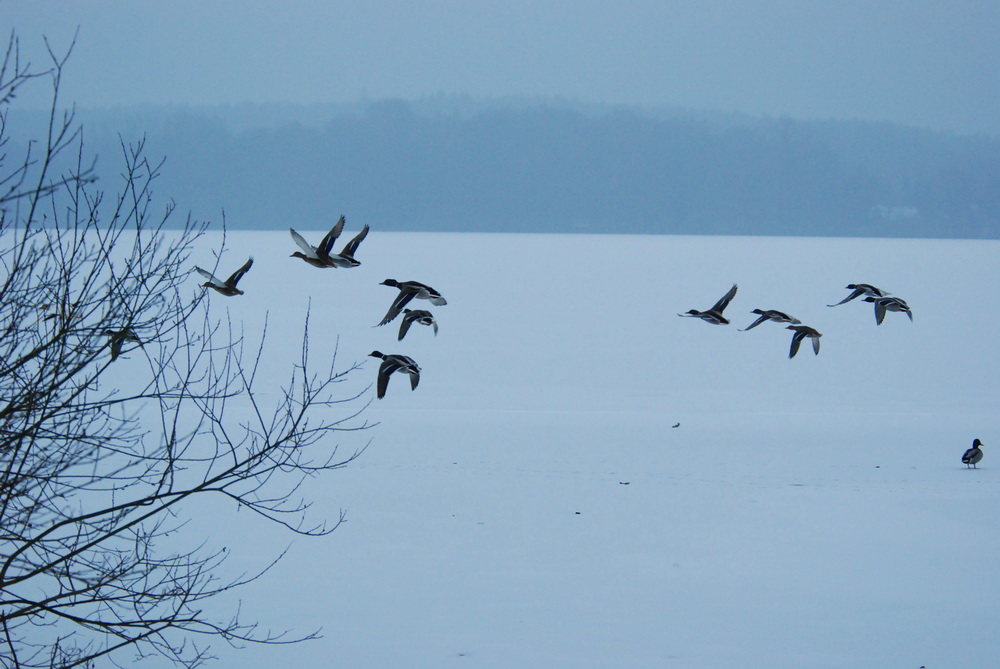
[(123, 397)]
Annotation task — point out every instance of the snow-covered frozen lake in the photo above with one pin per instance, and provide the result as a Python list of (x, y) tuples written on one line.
[(531, 505)]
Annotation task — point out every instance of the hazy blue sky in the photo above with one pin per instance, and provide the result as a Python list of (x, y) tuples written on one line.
[(932, 63)]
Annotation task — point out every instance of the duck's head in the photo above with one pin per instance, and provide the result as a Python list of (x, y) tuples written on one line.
[(692, 312), (376, 354), (389, 282), (758, 311), (976, 443)]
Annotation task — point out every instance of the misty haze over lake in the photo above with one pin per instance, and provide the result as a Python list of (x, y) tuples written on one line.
[(452, 163)]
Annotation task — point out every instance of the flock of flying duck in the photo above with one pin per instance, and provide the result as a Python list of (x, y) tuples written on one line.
[(323, 256), (883, 303)]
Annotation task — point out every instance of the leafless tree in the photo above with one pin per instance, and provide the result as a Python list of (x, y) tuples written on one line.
[(98, 465)]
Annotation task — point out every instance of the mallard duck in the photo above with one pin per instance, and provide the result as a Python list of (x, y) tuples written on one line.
[(714, 315), (884, 304), (801, 332), (974, 454), (394, 363), (859, 289), (420, 316), (407, 291), (321, 256), (118, 338), (227, 287), (771, 315)]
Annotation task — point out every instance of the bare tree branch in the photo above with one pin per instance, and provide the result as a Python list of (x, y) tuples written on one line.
[(98, 467)]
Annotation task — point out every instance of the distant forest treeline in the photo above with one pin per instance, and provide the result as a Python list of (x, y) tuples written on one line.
[(522, 166)]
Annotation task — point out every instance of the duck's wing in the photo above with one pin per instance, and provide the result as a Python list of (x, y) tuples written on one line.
[(854, 293), (879, 312), (331, 237), (384, 371), (438, 300), (208, 276), (307, 249), (796, 340), (401, 301), (352, 246), (238, 274), (116, 347), (414, 377), (757, 322), (725, 300), (904, 307), (404, 325), (434, 324), (815, 345)]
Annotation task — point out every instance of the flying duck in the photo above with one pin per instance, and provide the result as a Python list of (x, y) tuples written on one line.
[(801, 332), (714, 315), (321, 256), (227, 287), (411, 316), (974, 454), (859, 289), (771, 315), (407, 291), (118, 338), (884, 304), (395, 363)]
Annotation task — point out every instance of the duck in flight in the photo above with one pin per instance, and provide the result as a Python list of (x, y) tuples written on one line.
[(321, 256), (117, 339), (859, 289), (771, 315), (227, 287), (420, 316), (714, 315), (884, 304), (407, 291), (394, 363), (801, 332)]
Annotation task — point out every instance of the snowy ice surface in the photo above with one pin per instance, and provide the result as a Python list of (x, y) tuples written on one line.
[(531, 505)]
